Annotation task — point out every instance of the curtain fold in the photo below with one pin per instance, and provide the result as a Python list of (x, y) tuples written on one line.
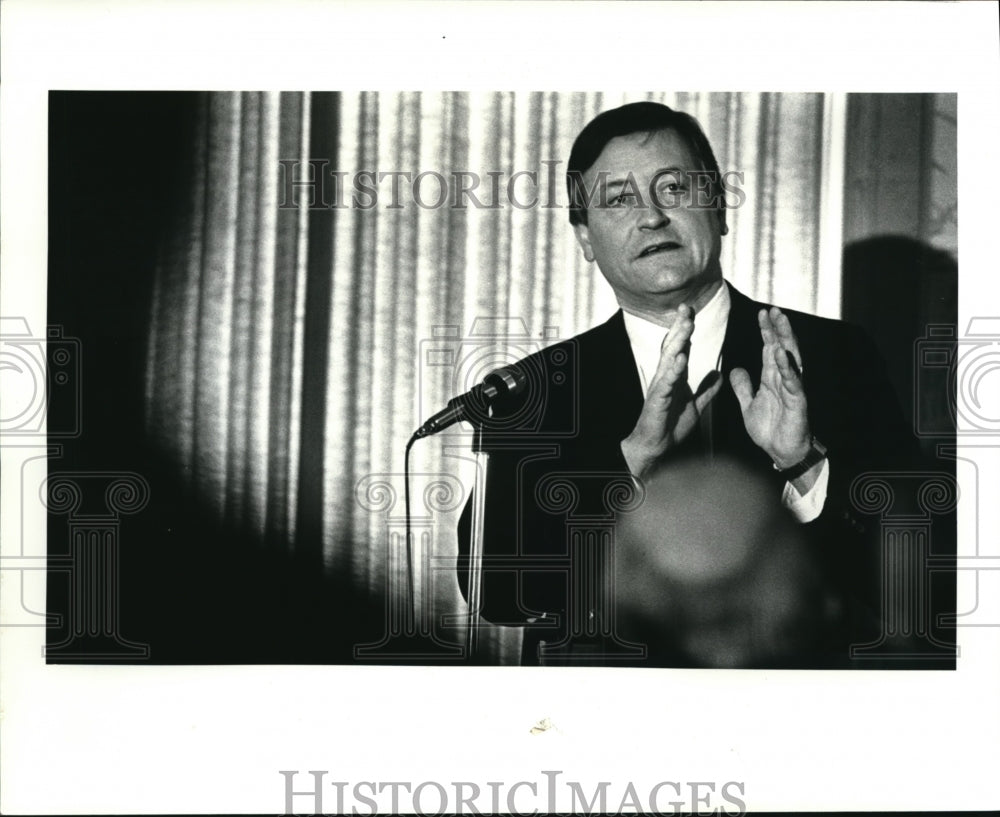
[(292, 350)]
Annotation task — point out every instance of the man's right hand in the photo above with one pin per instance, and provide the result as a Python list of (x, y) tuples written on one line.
[(671, 411)]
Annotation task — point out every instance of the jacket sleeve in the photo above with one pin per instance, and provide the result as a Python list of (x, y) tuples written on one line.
[(855, 413)]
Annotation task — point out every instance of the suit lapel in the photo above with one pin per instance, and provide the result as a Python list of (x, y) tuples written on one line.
[(741, 349), (742, 345), (610, 391)]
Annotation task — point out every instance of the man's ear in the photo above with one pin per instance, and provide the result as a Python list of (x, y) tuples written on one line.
[(583, 236)]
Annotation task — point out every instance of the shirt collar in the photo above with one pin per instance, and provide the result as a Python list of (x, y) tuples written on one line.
[(646, 338)]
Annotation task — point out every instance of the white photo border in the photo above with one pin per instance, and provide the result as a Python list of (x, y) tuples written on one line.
[(212, 739)]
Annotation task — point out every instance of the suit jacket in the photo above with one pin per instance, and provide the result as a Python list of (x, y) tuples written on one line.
[(557, 471)]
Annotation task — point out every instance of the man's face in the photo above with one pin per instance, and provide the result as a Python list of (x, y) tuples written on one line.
[(654, 257)]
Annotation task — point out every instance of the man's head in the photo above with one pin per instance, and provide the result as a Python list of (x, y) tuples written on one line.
[(646, 205)]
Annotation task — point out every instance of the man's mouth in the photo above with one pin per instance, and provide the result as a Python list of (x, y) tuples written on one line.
[(663, 246)]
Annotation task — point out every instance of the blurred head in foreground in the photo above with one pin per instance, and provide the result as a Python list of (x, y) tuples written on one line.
[(711, 571)]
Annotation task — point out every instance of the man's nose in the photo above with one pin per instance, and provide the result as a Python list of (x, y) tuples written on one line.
[(653, 216)]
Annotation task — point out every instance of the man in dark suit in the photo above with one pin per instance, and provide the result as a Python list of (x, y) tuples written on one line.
[(691, 380)]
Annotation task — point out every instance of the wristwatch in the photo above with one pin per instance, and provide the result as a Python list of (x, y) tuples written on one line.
[(815, 454)]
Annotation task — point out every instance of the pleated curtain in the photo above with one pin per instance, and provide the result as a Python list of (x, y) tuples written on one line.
[(294, 349)]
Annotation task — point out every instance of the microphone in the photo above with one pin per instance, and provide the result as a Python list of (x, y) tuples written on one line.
[(497, 384)]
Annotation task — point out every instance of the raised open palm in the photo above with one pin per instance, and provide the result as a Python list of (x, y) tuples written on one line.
[(671, 411), (775, 416)]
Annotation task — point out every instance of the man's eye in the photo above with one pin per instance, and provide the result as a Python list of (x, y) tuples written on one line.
[(623, 200)]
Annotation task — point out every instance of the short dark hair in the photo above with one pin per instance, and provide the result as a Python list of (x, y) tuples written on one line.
[(636, 117)]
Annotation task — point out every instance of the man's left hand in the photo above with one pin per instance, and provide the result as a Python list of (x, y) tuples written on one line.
[(775, 416)]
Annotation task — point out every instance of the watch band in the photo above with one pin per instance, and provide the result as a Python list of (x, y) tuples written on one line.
[(816, 453)]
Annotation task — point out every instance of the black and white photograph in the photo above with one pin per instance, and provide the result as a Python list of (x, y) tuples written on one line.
[(354, 404), (270, 314)]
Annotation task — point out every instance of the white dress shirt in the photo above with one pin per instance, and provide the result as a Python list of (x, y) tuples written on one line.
[(646, 339)]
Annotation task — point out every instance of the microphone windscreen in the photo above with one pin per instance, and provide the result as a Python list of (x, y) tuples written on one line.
[(508, 380)]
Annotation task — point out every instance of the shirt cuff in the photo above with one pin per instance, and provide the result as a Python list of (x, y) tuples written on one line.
[(806, 507)]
